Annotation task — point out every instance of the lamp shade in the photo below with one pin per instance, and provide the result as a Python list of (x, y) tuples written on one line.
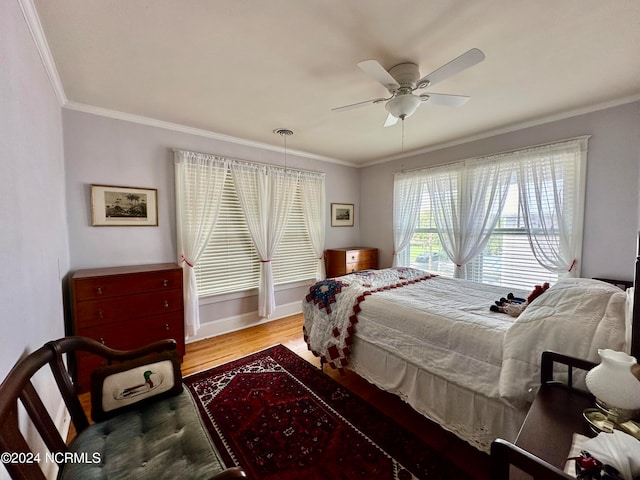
[(403, 106), (613, 381)]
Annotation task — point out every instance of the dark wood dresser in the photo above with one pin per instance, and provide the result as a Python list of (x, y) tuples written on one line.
[(125, 308), (340, 261)]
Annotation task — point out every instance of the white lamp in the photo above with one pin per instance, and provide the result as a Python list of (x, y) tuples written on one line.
[(403, 106), (615, 384)]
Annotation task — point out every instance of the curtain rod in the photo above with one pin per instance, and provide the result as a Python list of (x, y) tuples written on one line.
[(176, 150), (505, 152)]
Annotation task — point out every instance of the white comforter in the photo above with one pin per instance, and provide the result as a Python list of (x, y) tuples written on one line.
[(576, 316), (445, 326)]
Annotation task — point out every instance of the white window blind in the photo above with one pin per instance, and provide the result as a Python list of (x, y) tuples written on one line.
[(230, 262), (508, 258)]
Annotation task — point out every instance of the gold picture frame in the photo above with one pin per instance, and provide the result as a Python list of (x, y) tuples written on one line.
[(124, 206), (342, 214)]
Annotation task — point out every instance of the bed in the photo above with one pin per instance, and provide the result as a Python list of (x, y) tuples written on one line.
[(435, 342)]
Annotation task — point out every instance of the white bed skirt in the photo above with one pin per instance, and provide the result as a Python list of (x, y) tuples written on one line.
[(473, 417)]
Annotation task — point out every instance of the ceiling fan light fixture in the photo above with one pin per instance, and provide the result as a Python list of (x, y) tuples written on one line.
[(403, 106)]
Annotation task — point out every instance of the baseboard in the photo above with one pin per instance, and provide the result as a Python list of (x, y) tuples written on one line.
[(240, 322)]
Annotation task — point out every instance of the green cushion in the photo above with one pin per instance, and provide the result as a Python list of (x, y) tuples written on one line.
[(165, 439)]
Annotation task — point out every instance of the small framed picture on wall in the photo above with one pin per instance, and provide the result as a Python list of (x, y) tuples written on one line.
[(342, 214), (124, 206)]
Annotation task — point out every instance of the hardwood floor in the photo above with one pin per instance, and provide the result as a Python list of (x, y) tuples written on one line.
[(215, 351), (288, 332)]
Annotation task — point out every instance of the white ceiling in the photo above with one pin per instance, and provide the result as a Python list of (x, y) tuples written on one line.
[(243, 68)]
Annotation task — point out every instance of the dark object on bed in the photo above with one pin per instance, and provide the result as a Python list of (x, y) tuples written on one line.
[(117, 455)]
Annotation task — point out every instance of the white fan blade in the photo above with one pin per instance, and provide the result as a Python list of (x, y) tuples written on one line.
[(445, 99), (359, 104), (391, 120), (377, 71), (466, 60)]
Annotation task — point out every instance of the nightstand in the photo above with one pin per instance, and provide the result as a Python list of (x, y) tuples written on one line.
[(547, 432)]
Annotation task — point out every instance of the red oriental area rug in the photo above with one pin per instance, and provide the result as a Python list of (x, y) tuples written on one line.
[(279, 417)]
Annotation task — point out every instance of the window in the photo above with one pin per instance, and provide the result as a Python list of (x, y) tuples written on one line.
[(506, 260), (538, 234), (230, 262)]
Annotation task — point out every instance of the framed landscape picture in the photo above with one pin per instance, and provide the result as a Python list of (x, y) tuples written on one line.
[(124, 206), (342, 214)]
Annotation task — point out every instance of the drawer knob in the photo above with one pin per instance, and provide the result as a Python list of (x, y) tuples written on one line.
[(166, 326), (166, 304), (99, 290), (101, 340), (165, 283), (101, 314)]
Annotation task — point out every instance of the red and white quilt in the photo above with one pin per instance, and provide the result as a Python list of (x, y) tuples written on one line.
[(332, 305)]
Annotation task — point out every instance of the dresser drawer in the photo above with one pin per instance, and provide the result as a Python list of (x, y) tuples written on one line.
[(139, 331), (358, 266), (360, 256), (98, 312), (341, 261), (92, 288)]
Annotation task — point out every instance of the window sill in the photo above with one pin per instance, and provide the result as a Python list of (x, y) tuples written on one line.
[(224, 297)]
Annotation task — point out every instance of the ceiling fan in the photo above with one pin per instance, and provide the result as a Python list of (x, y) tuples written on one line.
[(403, 79)]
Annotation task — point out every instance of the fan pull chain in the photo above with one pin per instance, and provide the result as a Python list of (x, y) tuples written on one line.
[(402, 144)]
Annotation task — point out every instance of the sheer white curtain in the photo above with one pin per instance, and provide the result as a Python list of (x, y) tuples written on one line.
[(199, 185), (265, 194), (312, 189), (407, 198), (551, 181), (467, 199)]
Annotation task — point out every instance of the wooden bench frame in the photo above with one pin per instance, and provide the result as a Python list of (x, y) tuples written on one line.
[(18, 386)]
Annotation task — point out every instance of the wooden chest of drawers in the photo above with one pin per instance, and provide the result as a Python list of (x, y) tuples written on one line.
[(125, 308), (340, 261)]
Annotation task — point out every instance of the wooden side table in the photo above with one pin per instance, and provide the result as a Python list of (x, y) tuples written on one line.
[(556, 414)]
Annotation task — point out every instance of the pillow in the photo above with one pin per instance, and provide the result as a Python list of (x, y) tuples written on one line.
[(130, 384)]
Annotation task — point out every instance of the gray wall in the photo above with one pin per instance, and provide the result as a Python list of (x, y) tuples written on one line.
[(33, 229), (110, 151), (102, 150), (33, 237), (611, 212)]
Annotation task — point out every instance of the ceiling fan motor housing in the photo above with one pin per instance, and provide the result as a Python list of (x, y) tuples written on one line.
[(404, 104), (406, 74)]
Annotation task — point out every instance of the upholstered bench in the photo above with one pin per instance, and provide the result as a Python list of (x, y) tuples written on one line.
[(144, 430)]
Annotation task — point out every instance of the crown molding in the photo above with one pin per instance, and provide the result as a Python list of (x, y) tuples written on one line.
[(37, 33), (152, 122)]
